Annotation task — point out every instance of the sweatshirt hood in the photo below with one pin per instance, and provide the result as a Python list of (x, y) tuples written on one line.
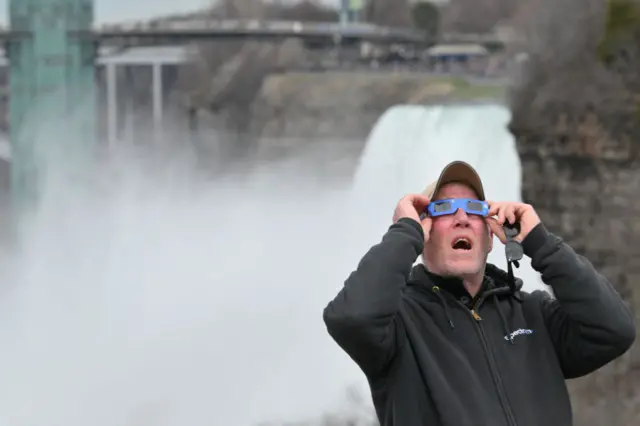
[(496, 281), (495, 285)]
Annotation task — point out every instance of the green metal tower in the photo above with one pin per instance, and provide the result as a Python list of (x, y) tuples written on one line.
[(52, 104)]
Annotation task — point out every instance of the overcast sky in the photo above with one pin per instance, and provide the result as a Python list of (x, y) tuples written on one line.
[(116, 10)]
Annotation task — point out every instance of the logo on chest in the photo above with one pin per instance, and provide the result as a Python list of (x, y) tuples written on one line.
[(519, 332)]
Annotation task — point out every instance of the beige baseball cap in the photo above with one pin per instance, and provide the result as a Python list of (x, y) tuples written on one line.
[(457, 171)]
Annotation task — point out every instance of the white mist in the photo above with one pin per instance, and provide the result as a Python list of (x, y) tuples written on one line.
[(145, 297), (151, 296)]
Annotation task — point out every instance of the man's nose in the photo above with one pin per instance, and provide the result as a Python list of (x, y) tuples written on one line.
[(461, 218)]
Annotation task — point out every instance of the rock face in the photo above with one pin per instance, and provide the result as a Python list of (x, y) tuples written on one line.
[(334, 105), (577, 126), (324, 115), (581, 170), (582, 173)]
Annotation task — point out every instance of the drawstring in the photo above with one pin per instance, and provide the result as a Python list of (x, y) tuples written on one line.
[(503, 319), (514, 253), (447, 312), (511, 278), (436, 290)]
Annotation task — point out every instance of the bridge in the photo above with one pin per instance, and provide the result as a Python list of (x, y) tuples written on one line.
[(171, 33), (159, 44)]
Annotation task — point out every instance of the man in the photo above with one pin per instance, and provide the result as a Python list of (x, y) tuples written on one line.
[(450, 342)]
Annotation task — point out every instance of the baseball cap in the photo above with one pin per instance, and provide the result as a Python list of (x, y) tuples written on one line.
[(457, 171)]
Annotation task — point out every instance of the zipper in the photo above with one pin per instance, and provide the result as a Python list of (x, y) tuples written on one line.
[(495, 374)]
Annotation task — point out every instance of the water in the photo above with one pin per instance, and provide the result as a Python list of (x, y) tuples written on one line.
[(410, 145), (152, 296)]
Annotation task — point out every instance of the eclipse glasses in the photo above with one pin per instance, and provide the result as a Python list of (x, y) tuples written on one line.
[(451, 206)]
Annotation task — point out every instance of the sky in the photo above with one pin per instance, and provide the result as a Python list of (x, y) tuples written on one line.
[(116, 10)]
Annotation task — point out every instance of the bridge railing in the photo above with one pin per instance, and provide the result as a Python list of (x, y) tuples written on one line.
[(254, 27), (300, 27), (248, 25)]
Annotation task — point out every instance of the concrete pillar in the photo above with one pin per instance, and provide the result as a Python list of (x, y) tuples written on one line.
[(112, 103), (157, 100), (128, 132)]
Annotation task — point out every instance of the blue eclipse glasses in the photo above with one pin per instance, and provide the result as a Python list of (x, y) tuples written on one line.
[(451, 206)]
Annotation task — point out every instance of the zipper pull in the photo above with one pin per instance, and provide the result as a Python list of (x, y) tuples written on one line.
[(475, 315)]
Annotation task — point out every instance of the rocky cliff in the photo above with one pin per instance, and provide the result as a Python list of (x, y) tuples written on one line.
[(582, 173), (579, 138), (328, 115)]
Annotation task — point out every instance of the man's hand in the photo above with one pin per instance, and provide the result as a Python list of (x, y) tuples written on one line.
[(411, 206), (511, 212)]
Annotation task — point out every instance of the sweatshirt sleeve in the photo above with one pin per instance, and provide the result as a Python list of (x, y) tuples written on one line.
[(588, 322), (362, 318)]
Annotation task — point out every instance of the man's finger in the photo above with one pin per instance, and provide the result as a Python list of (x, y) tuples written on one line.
[(497, 229), (421, 201), (510, 213), (501, 214), (521, 209), (493, 208)]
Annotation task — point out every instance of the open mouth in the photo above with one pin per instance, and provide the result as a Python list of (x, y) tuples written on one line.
[(461, 243)]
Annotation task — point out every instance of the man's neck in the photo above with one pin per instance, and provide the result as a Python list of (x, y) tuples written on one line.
[(473, 284)]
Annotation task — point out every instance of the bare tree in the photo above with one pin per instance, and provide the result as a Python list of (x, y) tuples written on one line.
[(561, 61), (619, 49), (238, 9), (477, 16), (225, 78), (390, 13), (308, 11)]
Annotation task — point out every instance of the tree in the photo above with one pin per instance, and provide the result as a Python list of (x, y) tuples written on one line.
[(389, 13), (478, 16), (426, 16), (307, 11), (619, 48)]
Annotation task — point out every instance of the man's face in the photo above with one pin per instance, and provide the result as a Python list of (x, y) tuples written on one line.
[(442, 255)]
